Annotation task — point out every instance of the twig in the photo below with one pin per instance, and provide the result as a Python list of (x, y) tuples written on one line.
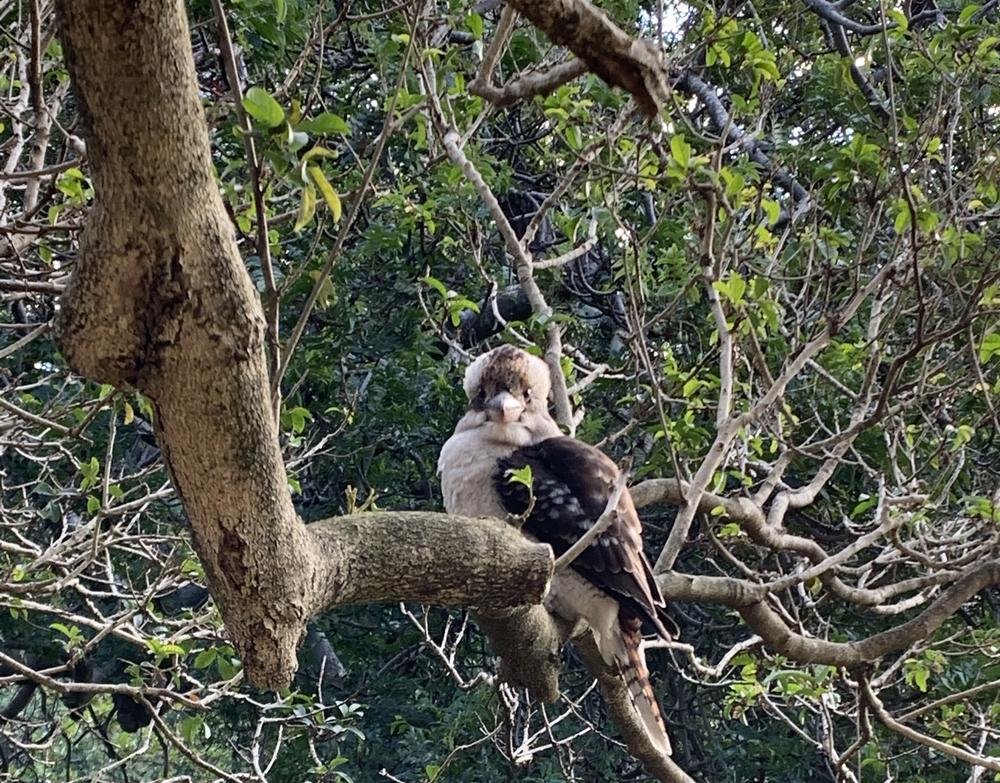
[(18, 344), (260, 208), (989, 762)]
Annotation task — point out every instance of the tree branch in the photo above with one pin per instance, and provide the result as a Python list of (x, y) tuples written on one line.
[(170, 310)]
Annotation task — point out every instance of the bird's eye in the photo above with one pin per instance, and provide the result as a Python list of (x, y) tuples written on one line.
[(527, 395)]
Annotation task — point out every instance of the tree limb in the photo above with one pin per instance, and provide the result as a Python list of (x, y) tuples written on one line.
[(169, 309)]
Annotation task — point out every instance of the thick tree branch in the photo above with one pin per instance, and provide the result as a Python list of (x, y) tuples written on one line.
[(160, 301), (636, 66), (751, 602), (404, 556)]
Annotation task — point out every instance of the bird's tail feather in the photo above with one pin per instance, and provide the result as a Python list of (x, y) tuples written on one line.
[(636, 676)]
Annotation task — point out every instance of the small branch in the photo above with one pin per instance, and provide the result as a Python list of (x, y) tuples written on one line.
[(529, 85), (18, 344), (30, 417), (989, 762), (575, 253), (47, 171), (260, 207), (32, 287), (844, 49), (504, 28), (951, 698), (831, 14)]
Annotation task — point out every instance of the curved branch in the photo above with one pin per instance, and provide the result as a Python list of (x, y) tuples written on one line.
[(750, 600), (722, 123), (626, 719), (832, 14), (777, 635)]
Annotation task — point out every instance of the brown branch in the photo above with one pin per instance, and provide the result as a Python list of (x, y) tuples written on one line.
[(989, 762), (624, 715), (637, 66), (169, 309), (404, 556), (776, 634), (530, 84)]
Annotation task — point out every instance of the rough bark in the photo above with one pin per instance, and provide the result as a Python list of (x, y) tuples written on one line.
[(622, 61), (160, 301), (529, 644)]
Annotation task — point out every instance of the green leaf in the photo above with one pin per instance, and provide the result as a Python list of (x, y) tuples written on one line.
[(436, 284), (307, 208), (205, 658), (963, 434), (325, 124), (280, 10), (475, 24), (681, 151), (737, 287), (262, 107), (691, 387), (520, 476), (772, 209), (227, 667), (902, 220), (990, 347), (315, 152), (191, 728), (968, 12), (329, 194)]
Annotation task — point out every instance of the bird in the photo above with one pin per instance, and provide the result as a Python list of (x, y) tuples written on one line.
[(610, 585)]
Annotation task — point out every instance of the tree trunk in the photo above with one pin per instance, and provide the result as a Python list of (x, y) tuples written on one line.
[(160, 301)]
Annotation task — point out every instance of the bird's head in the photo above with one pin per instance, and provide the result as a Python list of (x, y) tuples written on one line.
[(509, 386)]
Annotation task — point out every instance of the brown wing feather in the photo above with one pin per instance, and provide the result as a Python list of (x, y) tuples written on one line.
[(572, 483)]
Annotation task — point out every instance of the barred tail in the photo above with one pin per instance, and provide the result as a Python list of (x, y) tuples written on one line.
[(640, 689)]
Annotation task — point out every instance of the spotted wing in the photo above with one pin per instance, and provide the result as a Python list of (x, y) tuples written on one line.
[(572, 483)]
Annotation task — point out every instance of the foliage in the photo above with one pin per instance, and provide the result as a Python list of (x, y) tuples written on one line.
[(702, 279)]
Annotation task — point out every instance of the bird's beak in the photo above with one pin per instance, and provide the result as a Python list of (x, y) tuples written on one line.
[(504, 408)]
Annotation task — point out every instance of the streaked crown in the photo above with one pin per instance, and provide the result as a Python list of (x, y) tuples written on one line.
[(507, 368)]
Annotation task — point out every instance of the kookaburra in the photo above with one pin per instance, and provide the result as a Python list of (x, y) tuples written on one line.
[(610, 584)]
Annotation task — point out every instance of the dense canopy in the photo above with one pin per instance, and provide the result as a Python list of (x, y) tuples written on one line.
[(757, 244)]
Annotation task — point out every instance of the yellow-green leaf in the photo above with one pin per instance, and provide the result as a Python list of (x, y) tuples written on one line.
[(329, 194), (307, 208)]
